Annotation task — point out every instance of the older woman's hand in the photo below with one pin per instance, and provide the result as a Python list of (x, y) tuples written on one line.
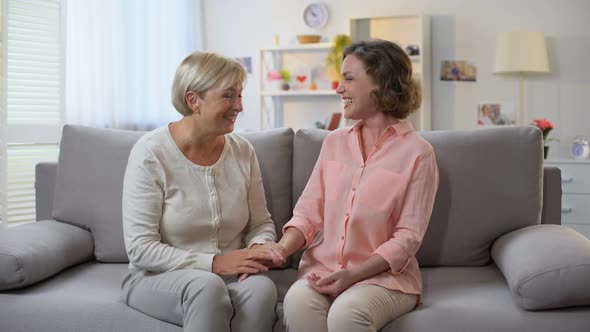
[(277, 251), (241, 261)]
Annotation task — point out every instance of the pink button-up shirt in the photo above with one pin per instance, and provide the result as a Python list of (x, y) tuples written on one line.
[(378, 207)]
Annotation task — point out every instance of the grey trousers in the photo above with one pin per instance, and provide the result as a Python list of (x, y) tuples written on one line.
[(202, 301)]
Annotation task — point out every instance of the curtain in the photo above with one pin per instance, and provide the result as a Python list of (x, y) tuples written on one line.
[(121, 56)]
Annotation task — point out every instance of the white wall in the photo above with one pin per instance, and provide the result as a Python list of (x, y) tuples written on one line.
[(461, 30)]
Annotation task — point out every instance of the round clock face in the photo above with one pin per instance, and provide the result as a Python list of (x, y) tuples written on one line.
[(580, 148), (316, 15)]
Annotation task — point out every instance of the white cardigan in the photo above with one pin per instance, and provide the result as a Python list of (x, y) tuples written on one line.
[(179, 215)]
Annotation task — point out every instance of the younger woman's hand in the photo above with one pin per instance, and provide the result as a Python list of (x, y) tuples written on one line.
[(332, 284), (277, 251)]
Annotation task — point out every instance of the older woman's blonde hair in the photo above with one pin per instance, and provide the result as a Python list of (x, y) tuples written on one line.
[(201, 71)]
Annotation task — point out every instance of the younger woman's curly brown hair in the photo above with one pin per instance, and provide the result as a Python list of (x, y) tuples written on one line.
[(390, 68)]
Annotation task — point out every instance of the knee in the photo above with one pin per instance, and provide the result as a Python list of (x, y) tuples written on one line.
[(297, 302), (344, 315), (260, 294), (267, 294), (210, 290)]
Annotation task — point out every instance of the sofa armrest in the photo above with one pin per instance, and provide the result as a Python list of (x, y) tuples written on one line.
[(35, 251), (551, 213), (546, 266), (45, 174)]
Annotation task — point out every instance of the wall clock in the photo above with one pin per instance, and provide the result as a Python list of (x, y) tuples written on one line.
[(316, 15)]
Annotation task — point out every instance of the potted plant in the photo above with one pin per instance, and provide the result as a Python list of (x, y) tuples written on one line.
[(545, 126), (286, 76), (335, 57)]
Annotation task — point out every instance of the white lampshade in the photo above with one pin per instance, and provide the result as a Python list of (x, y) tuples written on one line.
[(521, 52)]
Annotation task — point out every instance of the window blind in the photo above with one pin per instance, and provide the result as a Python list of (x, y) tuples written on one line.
[(34, 98)]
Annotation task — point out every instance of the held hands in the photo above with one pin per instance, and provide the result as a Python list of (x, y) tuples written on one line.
[(250, 261), (276, 251), (332, 284)]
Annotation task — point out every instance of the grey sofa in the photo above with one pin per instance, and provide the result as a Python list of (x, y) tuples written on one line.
[(494, 257)]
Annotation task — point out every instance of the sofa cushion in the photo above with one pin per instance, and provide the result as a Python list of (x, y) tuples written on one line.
[(490, 184), (83, 298), (274, 150), (546, 266), (35, 251), (89, 185), (476, 299), (306, 150)]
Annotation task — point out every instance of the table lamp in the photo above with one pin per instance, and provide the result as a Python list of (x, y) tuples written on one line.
[(521, 52)]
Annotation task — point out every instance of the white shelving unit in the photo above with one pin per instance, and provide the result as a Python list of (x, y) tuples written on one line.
[(275, 58), (403, 30)]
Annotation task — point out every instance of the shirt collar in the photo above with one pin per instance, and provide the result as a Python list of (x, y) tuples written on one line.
[(400, 128)]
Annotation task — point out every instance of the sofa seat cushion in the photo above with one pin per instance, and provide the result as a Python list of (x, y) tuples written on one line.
[(478, 299), (546, 266), (83, 298)]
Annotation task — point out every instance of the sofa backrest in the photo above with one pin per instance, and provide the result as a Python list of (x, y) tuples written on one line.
[(91, 167), (490, 184)]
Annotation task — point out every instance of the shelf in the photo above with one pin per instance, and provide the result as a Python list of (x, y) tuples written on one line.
[(267, 93), (299, 47)]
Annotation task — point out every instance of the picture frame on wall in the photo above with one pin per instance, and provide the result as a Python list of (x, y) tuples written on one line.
[(495, 114), (458, 70)]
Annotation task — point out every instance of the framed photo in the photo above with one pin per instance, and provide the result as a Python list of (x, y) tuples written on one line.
[(495, 114), (458, 71)]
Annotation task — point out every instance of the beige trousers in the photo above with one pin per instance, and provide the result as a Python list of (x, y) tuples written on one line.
[(359, 308)]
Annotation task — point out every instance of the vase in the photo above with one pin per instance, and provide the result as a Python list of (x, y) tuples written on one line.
[(545, 151)]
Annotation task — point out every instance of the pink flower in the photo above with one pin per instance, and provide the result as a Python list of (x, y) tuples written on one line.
[(545, 126)]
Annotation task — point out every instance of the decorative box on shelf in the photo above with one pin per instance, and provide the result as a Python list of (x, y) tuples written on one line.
[(575, 185)]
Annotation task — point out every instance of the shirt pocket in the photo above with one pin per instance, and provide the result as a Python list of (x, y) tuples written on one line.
[(334, 172), (382, 190)]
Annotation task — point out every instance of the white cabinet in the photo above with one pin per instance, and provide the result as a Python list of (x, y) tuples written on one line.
[(575, 185), (408, 31), (305, 60)]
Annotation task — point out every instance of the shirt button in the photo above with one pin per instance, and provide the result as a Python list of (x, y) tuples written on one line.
[(342, 238), (353, 189), (347, 214)]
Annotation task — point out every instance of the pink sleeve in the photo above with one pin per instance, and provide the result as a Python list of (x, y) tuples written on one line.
[(308, 215), (415, 215)]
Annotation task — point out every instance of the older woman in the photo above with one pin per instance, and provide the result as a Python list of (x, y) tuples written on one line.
[(372, 192), (194, 212)]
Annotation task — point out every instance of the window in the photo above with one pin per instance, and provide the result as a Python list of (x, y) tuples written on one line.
[(33, 96)]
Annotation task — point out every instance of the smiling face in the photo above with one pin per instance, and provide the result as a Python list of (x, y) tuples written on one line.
[(218, 108), (355, 89)]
